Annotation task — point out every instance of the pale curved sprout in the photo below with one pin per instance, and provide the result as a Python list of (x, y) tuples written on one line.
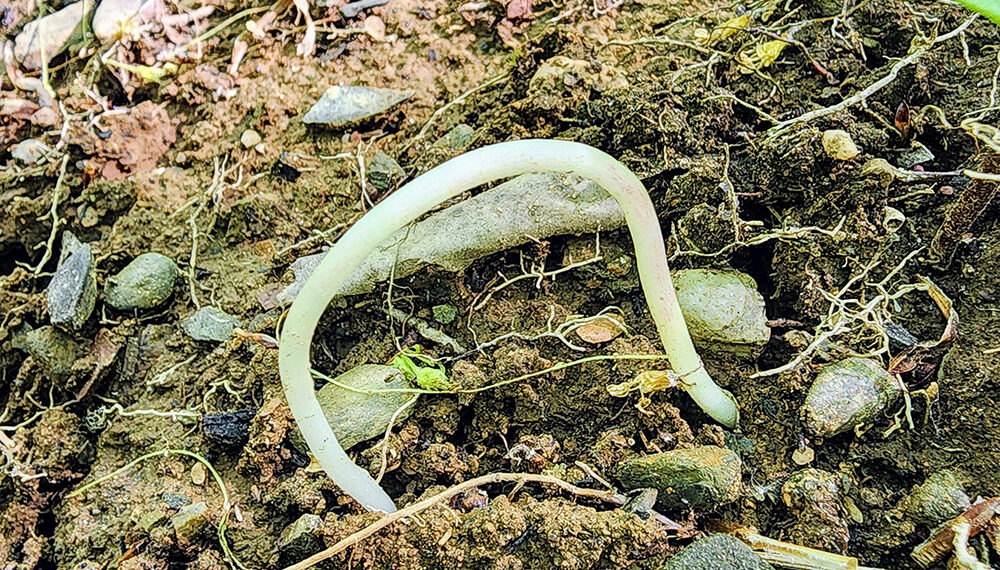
[(452, 178)]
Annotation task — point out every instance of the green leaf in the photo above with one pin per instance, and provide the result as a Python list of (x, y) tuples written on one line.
[(430, 377), (988, 8)]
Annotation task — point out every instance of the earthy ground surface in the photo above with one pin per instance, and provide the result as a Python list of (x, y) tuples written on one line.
[(135, 166)]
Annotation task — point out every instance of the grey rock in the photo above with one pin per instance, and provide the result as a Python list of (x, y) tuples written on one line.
[(698, 478), (189, 523), (146, 282), (72, 292), (111, 16), (547, 204), (352, 9), (54, 350), (58, 30), (384, 171), (68, 245), (458, 138), (846, 394), (723, 310), (444, 314), (358, 417), (343, 105), (299, 540), (717, 552), (176, 500), (30, 151), (210, 324), (939, 499), (916, 154)]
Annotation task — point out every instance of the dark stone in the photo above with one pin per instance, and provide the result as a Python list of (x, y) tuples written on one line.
[(176, 500), (72, 292), (281, 169), (228, 429)]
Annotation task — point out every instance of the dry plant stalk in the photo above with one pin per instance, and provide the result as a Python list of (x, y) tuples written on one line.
[(970, 205), (419, 506)]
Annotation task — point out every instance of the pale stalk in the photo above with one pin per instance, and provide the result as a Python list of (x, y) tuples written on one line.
[(451, 179)]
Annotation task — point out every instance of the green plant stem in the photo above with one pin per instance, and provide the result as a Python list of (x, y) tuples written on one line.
[(555, 367), (448, 180)]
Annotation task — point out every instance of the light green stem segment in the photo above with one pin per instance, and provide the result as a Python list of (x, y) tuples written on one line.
[(452, 178)]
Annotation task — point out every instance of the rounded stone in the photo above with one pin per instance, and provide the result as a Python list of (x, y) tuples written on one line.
[(717, 552), (940, 498), (30, 151), (146, 282), (250, 138), (54, 350), (698, 478), (723, 310), (113, 18), (846, 394), (839, 145), (210, 324)]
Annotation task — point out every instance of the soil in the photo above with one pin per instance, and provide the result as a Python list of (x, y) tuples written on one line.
[(161, 167)]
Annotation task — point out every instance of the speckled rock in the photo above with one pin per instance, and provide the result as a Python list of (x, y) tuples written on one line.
[(384, 171), (210, 324), (72, 292), (299, 539), (717, 552), (698, 477), (813, 496), (189, 523), (458, 138), (848, 393), (343, 105), (940, 498), (723, 310), (444, 314), (146, 282), (54, 350)]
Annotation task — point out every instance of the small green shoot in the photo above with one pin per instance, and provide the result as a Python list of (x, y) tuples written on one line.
[(422, 369), (424, 193), (145, 72)]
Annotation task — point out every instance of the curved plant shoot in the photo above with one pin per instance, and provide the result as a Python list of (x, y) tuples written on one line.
[(452, 178)]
